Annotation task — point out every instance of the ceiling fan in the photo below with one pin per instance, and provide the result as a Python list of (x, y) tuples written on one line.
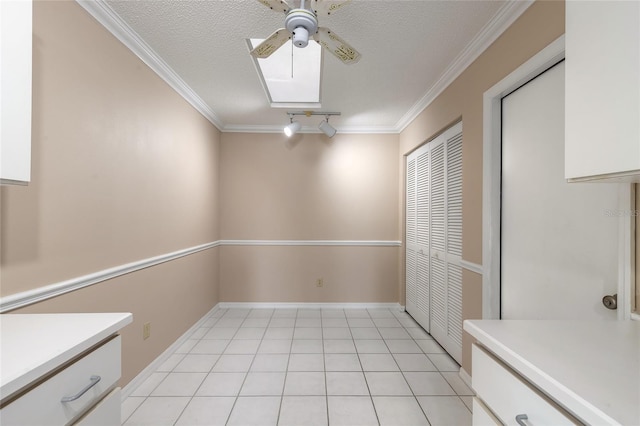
[(302, 24)]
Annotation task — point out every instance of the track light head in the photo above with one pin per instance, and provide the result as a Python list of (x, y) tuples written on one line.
[(292, 128), (327, 128)]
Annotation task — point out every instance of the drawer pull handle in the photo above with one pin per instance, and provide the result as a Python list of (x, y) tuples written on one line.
[(520, 418), (94, 381)]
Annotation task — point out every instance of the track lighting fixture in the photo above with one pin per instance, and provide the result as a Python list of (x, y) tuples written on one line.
[(294, 126), (327, 128)]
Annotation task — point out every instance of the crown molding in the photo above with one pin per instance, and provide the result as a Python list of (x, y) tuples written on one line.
[(106, 16), (234, 128), (502, 20)]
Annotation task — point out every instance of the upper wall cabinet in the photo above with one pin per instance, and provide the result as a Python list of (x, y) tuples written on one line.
[(602, 133), (15, 91)]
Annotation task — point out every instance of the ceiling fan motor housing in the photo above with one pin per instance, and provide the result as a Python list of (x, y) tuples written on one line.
[(301, 23)]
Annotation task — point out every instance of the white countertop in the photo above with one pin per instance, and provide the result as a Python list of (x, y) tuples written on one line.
[(31, 345), (591, 368)]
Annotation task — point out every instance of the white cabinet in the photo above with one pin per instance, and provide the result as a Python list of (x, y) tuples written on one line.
[(70, 393), (557, 371), (15, 91), (76, 390), (509, 397), (60, 369), (602, 133)]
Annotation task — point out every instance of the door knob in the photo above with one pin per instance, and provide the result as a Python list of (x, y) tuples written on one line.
[(610, 302)]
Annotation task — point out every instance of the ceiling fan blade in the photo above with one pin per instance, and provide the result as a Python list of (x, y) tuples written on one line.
[(337, 46), (327, 7), (279, 5), (271, 44)]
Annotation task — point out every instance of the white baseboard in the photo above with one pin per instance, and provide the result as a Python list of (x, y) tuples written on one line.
[(151, 368), (466, 378), (298, 305)]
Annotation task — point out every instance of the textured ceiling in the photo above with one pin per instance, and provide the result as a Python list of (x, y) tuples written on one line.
[(406, 47)]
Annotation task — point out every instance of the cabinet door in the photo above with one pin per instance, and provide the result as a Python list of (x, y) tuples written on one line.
[(602, 110), (15, 91)]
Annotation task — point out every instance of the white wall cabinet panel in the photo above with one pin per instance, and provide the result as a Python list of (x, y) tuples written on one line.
[(434, 238), (15, 91), (602, 133)]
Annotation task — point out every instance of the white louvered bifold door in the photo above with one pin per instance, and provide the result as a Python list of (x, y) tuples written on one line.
[(422, 241), (417, 236), (410, 238), (434, 238), (438, 281), (453, 340)]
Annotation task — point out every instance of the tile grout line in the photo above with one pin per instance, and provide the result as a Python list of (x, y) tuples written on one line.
[(205, 377), (286, 371), (247, 316), (375, 411)]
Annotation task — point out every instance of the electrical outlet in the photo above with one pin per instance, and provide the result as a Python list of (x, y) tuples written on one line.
[(319, 282), (146, 330)]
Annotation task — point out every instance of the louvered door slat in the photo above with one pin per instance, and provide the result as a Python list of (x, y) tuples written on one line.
[(411, 273), (454, 195), (454, 303), (411, 202), (422, 189), (437, 198), (438, 293), (423, 297)]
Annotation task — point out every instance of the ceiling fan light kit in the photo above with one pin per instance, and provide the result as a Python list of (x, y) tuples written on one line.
[(302, 24)]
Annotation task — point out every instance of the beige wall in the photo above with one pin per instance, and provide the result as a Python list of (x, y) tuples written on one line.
[(309, 188), (123, 169), (542, 23)]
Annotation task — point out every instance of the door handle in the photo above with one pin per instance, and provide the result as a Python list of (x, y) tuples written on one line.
[(92, 382), (610, 302)]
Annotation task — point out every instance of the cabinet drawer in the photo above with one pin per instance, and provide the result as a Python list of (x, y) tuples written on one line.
[(482, 416), (42, 405), (508, 395), (105, 413)]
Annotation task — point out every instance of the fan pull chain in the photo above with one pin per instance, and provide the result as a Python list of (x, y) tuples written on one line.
[(292, 60)]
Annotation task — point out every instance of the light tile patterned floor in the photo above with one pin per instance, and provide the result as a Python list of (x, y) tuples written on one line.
[(304, 367)]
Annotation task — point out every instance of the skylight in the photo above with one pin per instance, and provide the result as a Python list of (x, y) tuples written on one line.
[(291, 76)]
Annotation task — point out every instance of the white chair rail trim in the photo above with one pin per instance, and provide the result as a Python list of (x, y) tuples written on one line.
[(470, 266), (39, 294), (19, 300), (360, 243)]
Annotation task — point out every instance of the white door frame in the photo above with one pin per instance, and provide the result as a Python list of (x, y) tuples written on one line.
[(492, 112)]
